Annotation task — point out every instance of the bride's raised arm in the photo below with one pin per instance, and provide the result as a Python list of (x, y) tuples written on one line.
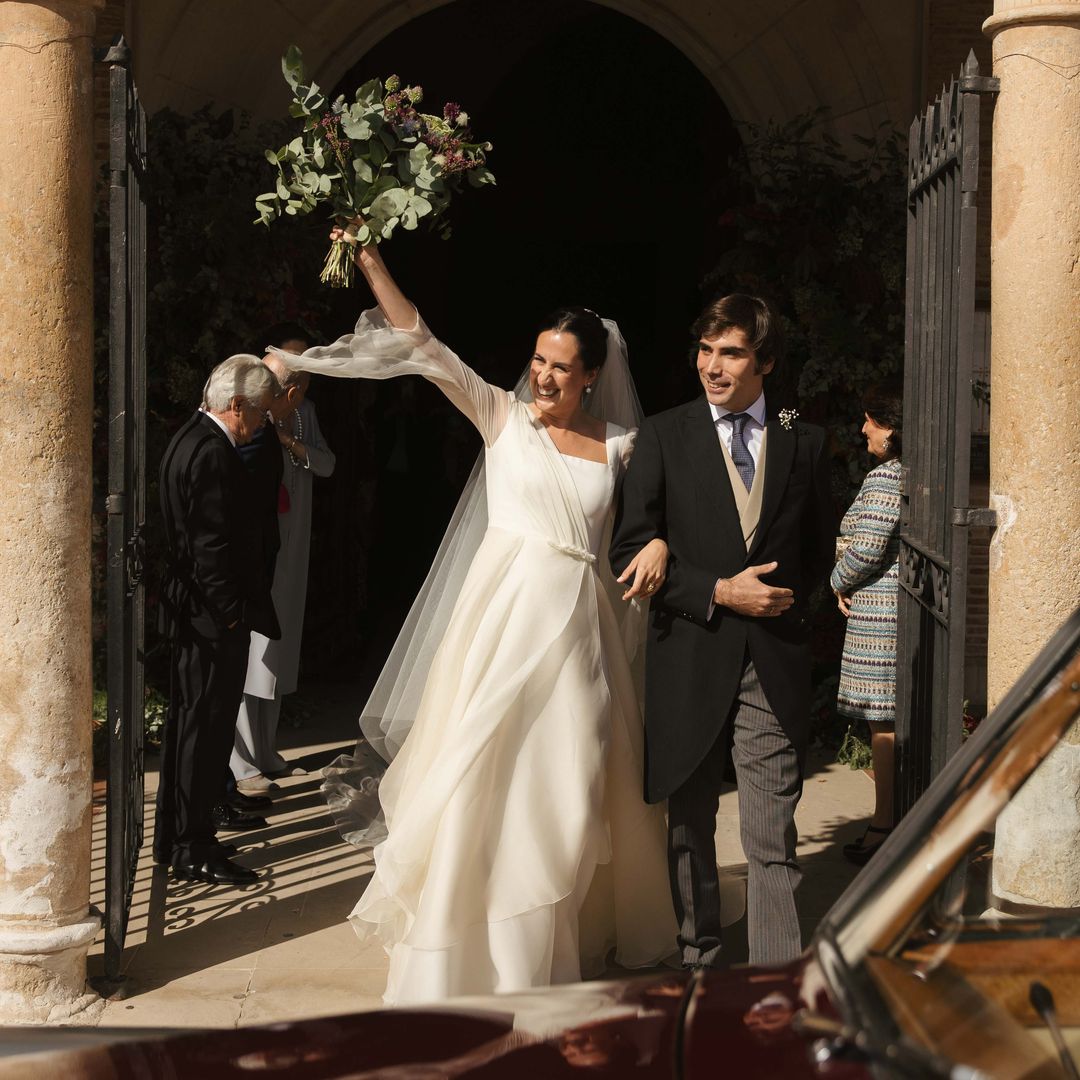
[(393, 340), (395, 306)]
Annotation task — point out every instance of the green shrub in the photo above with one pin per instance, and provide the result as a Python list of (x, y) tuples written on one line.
[(853, 751), (156, 708)]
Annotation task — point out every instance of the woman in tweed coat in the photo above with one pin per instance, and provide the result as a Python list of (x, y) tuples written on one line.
[(865, 581)]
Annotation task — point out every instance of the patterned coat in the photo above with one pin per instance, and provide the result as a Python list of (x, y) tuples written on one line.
[(867, 573)]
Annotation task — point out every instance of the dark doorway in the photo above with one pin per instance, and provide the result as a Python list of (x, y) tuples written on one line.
[(609, 150)]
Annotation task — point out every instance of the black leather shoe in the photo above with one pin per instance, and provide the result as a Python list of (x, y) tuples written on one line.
[(214, 870), (239, 801), (225, 817)]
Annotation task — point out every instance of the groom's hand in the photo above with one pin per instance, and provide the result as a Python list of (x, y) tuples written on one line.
[(747, 594)]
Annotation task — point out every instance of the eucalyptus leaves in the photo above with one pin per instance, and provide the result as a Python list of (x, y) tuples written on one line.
[(379, 162)]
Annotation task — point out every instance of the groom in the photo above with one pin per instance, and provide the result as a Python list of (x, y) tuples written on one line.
[(742, 499)]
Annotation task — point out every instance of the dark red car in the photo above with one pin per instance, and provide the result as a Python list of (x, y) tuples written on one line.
[(914, 973)]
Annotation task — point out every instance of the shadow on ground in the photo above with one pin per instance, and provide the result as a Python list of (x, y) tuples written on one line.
[(200, 955)]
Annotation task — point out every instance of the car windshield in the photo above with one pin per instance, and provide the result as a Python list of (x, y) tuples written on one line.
[(936, 943)]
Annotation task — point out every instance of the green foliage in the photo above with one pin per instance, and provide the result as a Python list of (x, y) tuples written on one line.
[(215, 283), (854, 752), (377, 159), (820, 230), (153, 728)]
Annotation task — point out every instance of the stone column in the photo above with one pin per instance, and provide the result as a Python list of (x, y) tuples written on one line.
[(46, 333), (1035, 412)]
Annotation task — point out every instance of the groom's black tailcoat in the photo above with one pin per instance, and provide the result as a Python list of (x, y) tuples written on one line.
[(677, 488)]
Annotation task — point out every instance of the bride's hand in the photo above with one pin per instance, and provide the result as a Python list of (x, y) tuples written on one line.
[(362, 253), (648, 569), (395, 305)]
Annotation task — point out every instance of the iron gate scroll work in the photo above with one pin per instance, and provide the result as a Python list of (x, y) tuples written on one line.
[(936, 519), (126, 500)]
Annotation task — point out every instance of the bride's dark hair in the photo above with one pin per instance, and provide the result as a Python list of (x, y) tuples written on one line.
[(587, 327)]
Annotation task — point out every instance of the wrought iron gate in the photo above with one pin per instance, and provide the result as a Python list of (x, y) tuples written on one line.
[(126, 501), (943, 179)]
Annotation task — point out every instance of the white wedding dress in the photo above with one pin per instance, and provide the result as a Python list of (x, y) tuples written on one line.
[(519, 851)]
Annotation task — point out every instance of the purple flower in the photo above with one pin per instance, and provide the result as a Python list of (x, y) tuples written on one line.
[(450, 111)]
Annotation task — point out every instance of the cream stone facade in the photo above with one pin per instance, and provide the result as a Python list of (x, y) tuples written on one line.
[(1035, 418), (772, 59), (46, 332)]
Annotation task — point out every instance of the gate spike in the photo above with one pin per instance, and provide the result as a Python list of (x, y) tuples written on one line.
[(971, 64)]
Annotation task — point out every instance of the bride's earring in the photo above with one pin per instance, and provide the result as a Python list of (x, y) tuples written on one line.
[(885, 444)]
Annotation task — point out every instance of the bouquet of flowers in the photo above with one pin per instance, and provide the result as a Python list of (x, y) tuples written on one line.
[(379, 162)]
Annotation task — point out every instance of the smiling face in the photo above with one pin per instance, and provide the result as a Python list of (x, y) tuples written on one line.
[(557, 376), (727, 367)]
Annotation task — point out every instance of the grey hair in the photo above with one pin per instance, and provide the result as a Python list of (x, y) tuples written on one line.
[(241, 376)]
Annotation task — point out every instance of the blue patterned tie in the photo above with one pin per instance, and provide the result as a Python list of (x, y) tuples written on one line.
[(740, 454)]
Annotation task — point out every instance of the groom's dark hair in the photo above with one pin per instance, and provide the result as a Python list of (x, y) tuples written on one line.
[(750, 314)]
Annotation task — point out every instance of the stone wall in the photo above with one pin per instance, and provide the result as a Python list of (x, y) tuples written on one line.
[(769, 60)]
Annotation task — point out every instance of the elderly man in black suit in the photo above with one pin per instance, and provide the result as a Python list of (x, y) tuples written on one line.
[(216, 592), (742, 499)]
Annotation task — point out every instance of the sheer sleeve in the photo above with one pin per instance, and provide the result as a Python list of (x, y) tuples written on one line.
[(377, 350)]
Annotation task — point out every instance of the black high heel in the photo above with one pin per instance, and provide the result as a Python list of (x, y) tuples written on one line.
[(860, 851)]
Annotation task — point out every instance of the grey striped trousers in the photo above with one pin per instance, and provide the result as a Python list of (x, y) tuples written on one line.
[(769, 771)]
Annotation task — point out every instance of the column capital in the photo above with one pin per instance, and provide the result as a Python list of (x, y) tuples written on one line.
[(53, 5), (30, 25), (1010, 13)]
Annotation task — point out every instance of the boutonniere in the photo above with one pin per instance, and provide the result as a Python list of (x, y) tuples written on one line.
[(788, 417)]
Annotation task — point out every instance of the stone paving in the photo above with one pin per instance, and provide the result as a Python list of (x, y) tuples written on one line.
[(208, 956)]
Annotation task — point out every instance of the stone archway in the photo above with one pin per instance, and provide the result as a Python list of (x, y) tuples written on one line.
[(773, 60), (770, 60)]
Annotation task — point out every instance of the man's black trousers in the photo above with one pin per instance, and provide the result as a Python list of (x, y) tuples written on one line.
[(207, 684)]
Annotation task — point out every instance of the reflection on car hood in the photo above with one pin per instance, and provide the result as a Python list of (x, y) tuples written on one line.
[(736, 1021)]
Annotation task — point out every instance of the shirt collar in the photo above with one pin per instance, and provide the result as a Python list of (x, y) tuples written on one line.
[(756, 411), (220, 423)]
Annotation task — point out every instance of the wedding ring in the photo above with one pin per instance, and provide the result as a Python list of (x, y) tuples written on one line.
[(649, 588)]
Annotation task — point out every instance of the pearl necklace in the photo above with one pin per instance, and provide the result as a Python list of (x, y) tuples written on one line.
[(298, 436)]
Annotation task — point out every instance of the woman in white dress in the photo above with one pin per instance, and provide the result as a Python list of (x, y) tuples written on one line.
[(518, 850)]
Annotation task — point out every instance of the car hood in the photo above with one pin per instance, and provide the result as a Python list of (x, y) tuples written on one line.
[(735, 1020)]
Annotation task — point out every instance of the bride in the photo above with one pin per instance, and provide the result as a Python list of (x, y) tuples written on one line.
[(517, 849)]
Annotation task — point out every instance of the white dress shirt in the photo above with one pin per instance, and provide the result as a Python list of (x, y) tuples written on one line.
[(232, 439), (753, 436)]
